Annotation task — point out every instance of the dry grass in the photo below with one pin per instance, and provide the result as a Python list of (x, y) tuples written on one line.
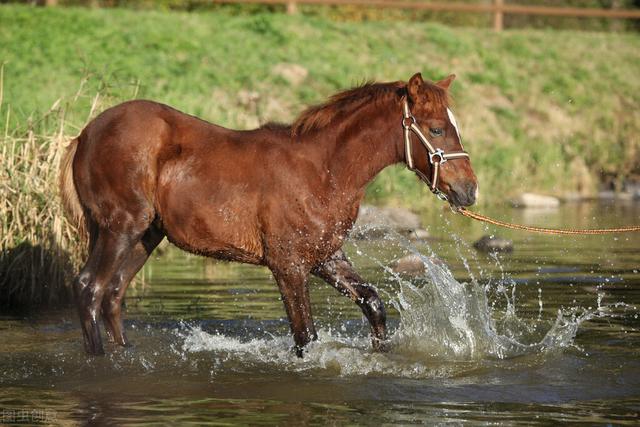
[(39, 249)]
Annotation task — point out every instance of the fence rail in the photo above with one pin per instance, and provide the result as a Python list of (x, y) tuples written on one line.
[(498, 8)]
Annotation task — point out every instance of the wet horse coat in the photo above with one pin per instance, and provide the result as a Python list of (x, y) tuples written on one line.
[(280, 196)]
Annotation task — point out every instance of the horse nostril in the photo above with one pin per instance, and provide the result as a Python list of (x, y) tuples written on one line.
[(472, 193), (465, 194)]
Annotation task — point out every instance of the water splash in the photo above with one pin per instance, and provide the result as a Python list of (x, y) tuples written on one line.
[(334, 354), (448, 319), (441, 320)]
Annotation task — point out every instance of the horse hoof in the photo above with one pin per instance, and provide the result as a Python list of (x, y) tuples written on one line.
[(95, 351), (299, 351), (380, 346), (120, 345)]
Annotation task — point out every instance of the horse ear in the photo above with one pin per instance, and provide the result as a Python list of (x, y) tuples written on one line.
[(445, 83), (413, 87)]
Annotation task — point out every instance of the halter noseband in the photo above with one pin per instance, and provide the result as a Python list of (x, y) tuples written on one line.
[(437, 156)]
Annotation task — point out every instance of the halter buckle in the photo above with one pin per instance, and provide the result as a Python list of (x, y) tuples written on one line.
[(439, 153)]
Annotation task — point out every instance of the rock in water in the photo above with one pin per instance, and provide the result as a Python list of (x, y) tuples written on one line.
[(401, 218), (412, 264), (531, 200), (374, 222), (493, 244)]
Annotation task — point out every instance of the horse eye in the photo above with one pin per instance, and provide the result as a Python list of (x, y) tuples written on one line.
[(435, 132)]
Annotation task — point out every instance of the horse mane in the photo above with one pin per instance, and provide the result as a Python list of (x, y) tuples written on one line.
[(347, 102), (276, 127), (319, 116)]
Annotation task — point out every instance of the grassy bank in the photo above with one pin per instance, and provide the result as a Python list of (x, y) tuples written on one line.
[(547, 111)]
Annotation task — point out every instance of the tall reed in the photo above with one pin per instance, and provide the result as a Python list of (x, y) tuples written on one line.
[(39, 249)]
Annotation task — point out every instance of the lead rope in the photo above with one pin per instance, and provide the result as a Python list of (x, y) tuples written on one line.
[(543, 230)]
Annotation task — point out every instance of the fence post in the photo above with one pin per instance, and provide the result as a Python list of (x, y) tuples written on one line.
[(498, 15), (292, 7)]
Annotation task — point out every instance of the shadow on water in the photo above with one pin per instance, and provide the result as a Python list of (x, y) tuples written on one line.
[(548, 333), (34, 276)]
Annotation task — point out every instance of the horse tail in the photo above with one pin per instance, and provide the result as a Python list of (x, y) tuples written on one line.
[(67, 187)]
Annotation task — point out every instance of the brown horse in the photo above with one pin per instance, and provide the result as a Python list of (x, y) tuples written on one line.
[(280, 196)]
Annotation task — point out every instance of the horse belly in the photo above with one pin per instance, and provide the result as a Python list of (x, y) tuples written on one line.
[(217, 221)]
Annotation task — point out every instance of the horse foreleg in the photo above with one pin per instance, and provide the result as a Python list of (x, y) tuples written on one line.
[(112, 301), (295, 295), (339, 273)]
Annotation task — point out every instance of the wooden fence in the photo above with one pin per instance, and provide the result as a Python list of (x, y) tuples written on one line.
[(497, 8)]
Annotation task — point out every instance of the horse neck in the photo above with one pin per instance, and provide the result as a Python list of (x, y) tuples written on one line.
[(364, 144)]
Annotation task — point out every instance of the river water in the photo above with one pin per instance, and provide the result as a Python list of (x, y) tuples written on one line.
[(548, 333)]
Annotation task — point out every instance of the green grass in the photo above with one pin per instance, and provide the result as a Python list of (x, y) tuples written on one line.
[(548, 111)]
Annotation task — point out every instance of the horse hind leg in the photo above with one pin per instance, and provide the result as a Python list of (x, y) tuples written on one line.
[(339, 273), (112, 300), (107, 254)]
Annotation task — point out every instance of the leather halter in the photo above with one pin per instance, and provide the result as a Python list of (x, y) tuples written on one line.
[(437, 156)]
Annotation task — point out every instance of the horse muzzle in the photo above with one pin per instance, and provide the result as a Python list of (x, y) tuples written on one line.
[(463, 195)]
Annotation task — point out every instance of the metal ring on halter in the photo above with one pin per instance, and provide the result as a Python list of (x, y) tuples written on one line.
[(440, 153), (440, 195), (412, 121)]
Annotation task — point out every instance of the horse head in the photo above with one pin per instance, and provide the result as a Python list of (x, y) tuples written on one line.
[(433, 147)]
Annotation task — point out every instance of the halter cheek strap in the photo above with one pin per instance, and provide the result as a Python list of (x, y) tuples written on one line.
[(436, 156)]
